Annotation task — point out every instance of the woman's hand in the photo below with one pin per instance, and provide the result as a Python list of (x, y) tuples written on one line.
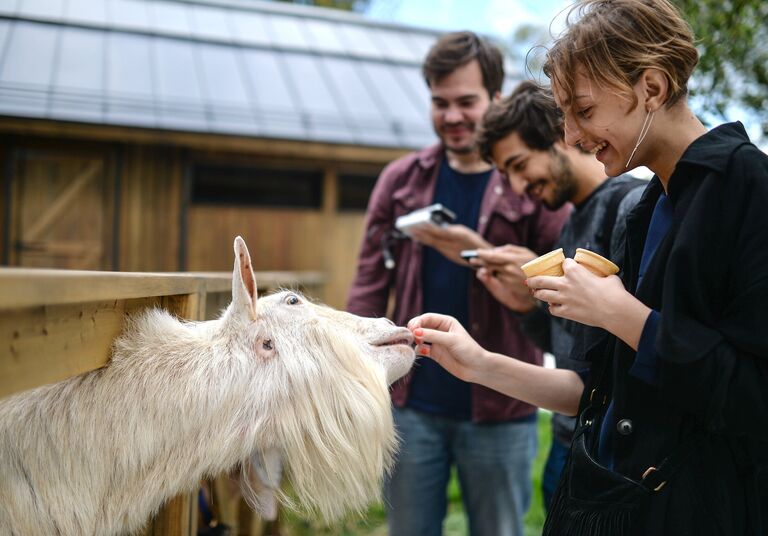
[(454, 350), (584, 297), (449, 345)]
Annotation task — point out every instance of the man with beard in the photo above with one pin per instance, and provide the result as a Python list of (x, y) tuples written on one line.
[(523, 135), (442, 421)]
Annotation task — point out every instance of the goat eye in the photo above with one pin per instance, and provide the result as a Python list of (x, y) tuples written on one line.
[(267, 344), (291, 299)]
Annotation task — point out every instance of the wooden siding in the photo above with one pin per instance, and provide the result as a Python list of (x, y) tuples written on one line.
[(150, 209), (154, 227)]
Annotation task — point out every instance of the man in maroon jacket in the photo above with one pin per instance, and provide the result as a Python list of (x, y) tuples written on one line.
[(443, 421)]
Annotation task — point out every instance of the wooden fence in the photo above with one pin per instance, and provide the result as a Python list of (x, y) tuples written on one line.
[(58, 323)]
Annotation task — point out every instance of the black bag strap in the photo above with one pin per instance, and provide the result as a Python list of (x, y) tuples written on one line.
[(612, 208)]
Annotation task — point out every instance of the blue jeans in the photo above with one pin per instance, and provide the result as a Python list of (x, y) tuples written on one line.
[(493, 462), (558, 452)]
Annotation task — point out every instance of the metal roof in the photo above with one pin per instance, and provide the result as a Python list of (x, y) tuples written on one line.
[(217, 66)]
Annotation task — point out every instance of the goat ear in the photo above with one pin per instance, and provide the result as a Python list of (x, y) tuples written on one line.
[(244, 290)]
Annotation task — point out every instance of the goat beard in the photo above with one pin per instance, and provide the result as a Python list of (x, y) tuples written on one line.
[(336, 432)]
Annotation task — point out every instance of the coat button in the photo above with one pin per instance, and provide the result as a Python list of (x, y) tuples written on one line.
[(624, 426)]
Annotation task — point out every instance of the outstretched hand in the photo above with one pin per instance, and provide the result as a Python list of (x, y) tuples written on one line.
[(451, 346)]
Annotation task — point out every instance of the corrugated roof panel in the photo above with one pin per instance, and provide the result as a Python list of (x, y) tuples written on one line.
[(130, 86), (420, 43), (81, 60), (416, 86), (129, 14), (406, 118), (277, 112), (170, 17), (180, 98), (53, 9), (250, 28), (129, 66), (210, 23), (317, 100), (28, 67), (31, 53), (216, 66), (9, 6), (361, 108), (86, 11), (78, 86), (226, 91), (324, 36), (359, 41), (287, 32), (4, 27), (395, 45)]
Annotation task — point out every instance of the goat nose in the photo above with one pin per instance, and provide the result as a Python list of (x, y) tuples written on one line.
[(388, 321)]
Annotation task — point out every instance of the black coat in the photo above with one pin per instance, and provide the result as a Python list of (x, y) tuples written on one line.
[(709, 280)]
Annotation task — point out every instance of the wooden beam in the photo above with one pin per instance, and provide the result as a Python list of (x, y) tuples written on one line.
[(27, 287), (204, 141), (47, 344)]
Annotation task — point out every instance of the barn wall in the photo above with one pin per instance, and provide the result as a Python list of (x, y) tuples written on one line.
[(147, 219)]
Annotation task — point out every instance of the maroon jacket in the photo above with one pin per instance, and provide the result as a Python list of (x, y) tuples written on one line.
[(505, 218)]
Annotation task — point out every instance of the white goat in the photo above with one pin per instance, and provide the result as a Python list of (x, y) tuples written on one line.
[(280, 378)]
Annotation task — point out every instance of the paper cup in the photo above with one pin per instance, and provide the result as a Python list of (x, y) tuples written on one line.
[(549, 264), (597, 264)]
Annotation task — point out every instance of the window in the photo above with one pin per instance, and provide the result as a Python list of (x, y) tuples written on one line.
[(355, 190), (255, 186)]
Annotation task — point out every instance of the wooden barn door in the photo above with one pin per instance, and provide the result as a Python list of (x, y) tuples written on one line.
[(62, 207)]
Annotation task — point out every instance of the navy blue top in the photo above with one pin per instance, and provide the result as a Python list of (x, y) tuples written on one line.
[(645, 366), (446, 285)]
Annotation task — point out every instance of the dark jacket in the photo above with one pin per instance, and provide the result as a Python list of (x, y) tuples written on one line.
[(709, 280), (505, 218), (608, 205)]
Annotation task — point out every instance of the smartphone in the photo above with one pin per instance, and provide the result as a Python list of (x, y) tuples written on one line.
[(467, 254)]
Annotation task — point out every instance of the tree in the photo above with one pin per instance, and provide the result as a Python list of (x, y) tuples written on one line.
[(346, 5), (731, 79), (732, 38)]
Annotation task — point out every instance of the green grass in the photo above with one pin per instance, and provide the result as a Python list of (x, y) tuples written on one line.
[(374, 523)]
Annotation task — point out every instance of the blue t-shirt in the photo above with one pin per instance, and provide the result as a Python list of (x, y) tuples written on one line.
[(446, 285)]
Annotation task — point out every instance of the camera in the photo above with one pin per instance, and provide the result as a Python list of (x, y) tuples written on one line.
[(435, 214)]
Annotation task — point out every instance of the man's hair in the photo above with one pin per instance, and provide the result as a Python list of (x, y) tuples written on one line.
[(530, 111), (456, 49), (614, 41)]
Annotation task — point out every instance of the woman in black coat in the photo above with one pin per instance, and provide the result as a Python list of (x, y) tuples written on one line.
[(674, 404)]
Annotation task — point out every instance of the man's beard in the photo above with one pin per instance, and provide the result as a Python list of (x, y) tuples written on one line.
[(470, 147), (564, 183)]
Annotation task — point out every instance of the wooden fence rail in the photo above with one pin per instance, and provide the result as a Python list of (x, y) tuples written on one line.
[(58, 323)]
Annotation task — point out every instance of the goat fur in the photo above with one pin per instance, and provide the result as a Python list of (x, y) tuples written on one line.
[(101, 452)]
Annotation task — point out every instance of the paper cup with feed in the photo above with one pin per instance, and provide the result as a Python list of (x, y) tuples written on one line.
[(597, 264), (548, 264)]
